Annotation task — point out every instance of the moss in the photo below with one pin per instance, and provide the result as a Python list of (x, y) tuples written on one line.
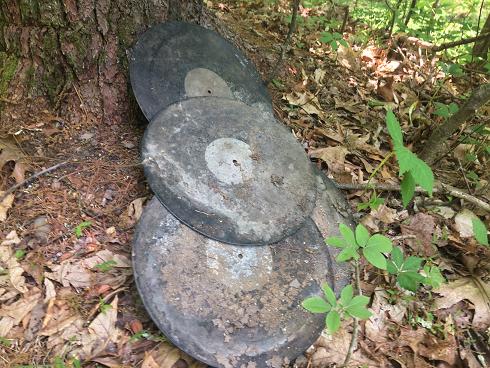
[(81, 40), (51, 13), (8, 67), (29, 11)]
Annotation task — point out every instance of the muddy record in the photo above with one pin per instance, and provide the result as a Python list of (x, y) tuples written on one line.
[(230, 306), (229, 171)]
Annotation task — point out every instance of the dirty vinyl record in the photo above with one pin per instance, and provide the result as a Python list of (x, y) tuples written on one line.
[(230, 306), (229, 171), (239, 306), (173, 61)]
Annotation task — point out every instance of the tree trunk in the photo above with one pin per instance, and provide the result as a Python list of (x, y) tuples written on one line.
[(438, 143), (480, 49), (50, 47)]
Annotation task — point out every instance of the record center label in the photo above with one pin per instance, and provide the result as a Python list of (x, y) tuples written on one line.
[(230, 161)]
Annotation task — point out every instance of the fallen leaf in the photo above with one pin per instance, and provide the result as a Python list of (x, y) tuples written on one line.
[(13, 271), (334, 157), (422, 227), (384, 314), (166, 356), (347, 58), (468, 288), (106, 256), (333, 349), (70, 273), (5, 205), (49, 290), (10, 152), (134, 211), (463, 222), (19, 309), (104, 325), (307, 101), (385, 214)]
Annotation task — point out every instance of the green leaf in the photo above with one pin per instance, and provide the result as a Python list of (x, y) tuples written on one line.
[(326, 37), (337, 36), (433, 276), (362, 235), (335, 242), (455, 70), (106, 266), (80, 227), (316, 304), (480, 231), (334, 45), (348, 234), (346, 295), (391, 267), (357, 307), (343, 43), (347, 253), (412, 264), (333, 321), (329, 294), (397, 257), (453, 108), (19, 254), (442, 110), (394, 129), (380, 243), (77, 364), (409, 280), (374, 257), (407, 188), (406, 159), (422, 174)]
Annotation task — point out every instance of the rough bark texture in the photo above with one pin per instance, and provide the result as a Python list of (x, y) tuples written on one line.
[(481, 47), (438, 142), (49, 46)]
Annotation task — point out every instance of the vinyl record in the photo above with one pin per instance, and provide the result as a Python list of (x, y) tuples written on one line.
[(230, 306), (229, 171), (173, 61)]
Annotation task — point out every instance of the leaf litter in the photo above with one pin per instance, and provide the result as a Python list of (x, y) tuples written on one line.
[(74, 295)]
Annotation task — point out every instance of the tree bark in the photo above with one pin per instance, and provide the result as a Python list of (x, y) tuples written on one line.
[(50, 47), (438, 143), (480, 49)]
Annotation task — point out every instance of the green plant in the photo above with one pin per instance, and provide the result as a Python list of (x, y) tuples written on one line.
[(333, 39), (444, 110), (80, 227), (373, 203), (144, 334), (5, 342), (372, 247), (103, 306), (480, 231), (411, 168), (346, 305), (407, 271), (19, 254), (106, 266)]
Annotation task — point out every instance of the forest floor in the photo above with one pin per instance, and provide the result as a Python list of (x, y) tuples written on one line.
[(66, 285)]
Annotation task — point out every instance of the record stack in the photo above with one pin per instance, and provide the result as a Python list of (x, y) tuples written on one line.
[(232, 241)]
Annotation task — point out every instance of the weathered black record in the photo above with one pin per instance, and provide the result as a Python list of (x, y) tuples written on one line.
[(172, 61), (229, 306), (229, 171)]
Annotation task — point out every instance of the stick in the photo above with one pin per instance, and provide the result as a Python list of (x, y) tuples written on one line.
[(438, 187), (448, 45), (287, 41), (31, 178), (355, 330)]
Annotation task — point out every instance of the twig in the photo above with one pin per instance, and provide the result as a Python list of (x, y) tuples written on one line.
[(287, 41), (466, 41), (438, 187), (30, 179), (346, 17), (355, 329)]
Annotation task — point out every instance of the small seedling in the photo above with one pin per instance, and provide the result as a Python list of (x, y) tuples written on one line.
[(413, 169), (5, 342), (105, 266), (333, 39), (19, 254), (444, 110), (373, 203), (144, 334), (347, 305), (372, 247), (103, 306), (80, 227)]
